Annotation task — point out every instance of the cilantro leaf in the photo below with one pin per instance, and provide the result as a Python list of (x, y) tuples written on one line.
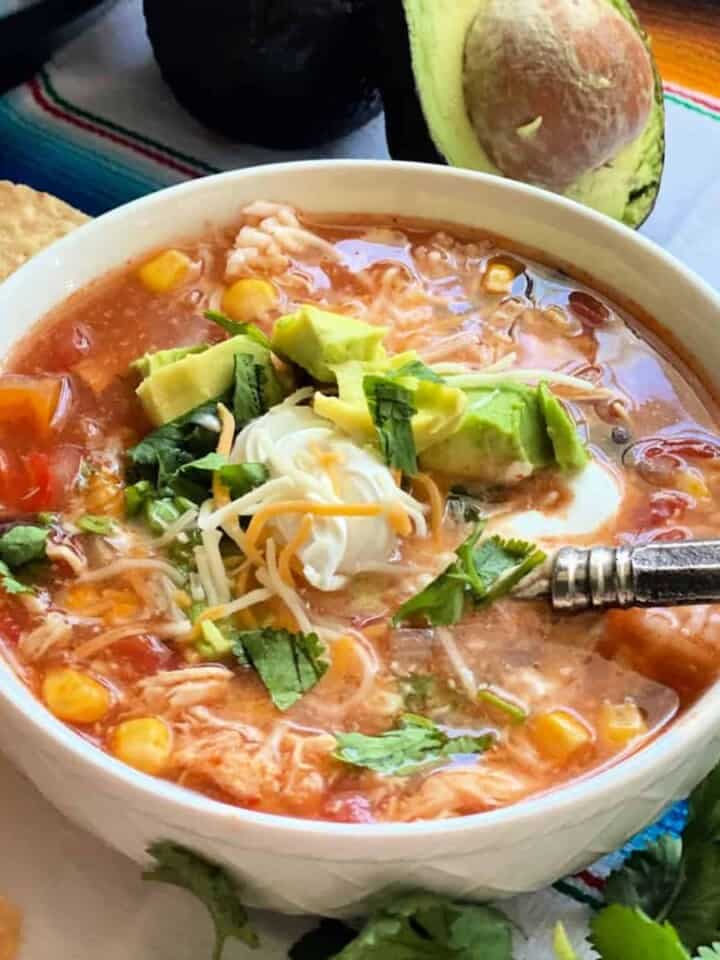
[(441, 603), (22, 544), (430, 927), (649, 878), (494, 567), (416, 743), (91, 523), (626, 933), (211, 884), (392, 409), (482, 573), (289, 664), (695, 912), (234, 328), (160, 454), (9, 583), (249, 392)]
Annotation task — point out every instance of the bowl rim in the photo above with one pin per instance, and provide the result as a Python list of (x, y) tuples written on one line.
[(667, 748)]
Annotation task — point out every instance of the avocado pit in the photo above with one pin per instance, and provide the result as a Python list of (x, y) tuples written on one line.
[(555, 88)]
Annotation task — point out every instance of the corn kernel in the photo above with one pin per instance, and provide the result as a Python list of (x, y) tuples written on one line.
[(75, 697), (619, 723), (144, 743), (499, 276), (247, 300), (165, 272), (559, 735)]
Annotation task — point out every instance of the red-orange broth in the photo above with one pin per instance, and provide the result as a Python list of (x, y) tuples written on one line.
[(588, 689)]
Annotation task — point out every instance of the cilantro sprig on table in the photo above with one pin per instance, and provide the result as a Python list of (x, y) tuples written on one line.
[(662, 904)]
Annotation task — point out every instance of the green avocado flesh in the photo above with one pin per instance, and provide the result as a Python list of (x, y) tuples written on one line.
[(625, 187), (317, 340), (174, 388), (502, 437)]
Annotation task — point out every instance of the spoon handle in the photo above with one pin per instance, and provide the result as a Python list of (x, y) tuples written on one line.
[(651, 575)]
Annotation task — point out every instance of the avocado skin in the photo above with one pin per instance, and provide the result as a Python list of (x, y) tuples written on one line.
[(281, 74), (407, 132)]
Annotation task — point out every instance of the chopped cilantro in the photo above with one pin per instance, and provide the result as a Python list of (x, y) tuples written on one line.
[(513, 710), (392, 409), (22, 544), (241, 478), (289, 664), (482, 573), (102, 526), (234, 328), (416, 743), (417, 926), (9, 583), (211, 884), (417, 369), (256, 385)]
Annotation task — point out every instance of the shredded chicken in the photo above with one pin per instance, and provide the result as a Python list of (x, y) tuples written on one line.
[(178, 689), (55, 633)]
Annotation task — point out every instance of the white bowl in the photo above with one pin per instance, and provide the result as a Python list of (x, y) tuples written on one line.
[(304, 866)]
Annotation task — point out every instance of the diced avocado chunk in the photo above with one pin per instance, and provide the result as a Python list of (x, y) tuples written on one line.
[(318, 340), (149, 363), (570, 451), (501, 437), (213, 644), (439, 407), (178, 387)]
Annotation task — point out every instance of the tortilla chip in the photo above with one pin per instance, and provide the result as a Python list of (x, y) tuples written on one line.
[(29, 221)]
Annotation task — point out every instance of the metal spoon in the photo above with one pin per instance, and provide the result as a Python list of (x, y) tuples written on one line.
[(652, 575)]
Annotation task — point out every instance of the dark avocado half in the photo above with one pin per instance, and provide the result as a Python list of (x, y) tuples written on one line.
[(584, 117), (285, 74)]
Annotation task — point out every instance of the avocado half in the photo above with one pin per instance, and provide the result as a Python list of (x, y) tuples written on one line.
[(275, 73), (434, 53)]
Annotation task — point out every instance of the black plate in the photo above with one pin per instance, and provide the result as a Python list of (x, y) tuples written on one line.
[(29, 35)]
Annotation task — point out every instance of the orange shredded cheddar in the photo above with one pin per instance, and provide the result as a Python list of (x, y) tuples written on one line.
[(304, 506), (399, 520), (291, 548), (436, 502)]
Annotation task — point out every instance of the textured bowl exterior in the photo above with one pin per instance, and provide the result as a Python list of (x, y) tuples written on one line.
[(335, 869)]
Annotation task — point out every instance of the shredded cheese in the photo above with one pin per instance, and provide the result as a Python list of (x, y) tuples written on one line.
[(206, 579), (224, 610), (437, 505), (211, 542), (125, 566), (269, 576), (301, 537), (306, 506)]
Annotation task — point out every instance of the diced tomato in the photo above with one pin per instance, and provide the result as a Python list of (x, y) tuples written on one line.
[(349, 808), (139, 656), (28, 402)]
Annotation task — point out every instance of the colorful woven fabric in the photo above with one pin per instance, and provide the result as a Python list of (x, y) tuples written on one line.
[(98, 127)]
